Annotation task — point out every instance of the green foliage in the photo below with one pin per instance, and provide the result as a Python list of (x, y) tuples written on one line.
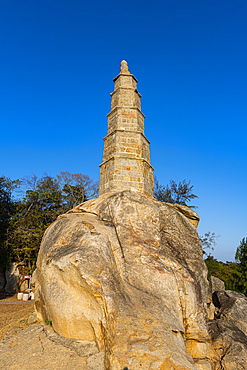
[(27, 219), (241, 253), (39, 207), (7, 209), (76, 188), (180, 193), (241, 258), (228, 272)]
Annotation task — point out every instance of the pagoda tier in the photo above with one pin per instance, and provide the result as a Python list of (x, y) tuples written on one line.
[(126, 159)]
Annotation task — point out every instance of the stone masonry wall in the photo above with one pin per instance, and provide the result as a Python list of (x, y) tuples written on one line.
[(126, 158)]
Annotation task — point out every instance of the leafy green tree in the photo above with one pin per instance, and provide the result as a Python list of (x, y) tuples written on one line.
[(180, 193), (241, 258), (241, 253), (7, 209), (44, 199), (39, 207), (228, 272), (76, 188)]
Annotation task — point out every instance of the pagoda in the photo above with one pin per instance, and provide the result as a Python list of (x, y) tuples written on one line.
[(126, 159)]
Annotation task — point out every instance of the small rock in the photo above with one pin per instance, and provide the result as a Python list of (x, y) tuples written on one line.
[(32, 319)]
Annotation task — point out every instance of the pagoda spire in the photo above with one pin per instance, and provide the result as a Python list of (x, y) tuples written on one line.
[(124, 67), (126, 159)]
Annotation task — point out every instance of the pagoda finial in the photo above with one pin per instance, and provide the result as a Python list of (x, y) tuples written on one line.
[(124, 67)]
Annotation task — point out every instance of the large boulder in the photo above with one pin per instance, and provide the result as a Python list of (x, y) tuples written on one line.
[(124, 275), (229, 350), (2, 279), (232, 307), (229, 329), (215, 284), (10, 279)]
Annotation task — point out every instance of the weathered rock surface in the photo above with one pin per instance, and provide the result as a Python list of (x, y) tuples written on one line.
[(229, 346), (124, 275), (232, 307), (191, 215), (229, 330), (215, 284), (10, 278), (2, 279)]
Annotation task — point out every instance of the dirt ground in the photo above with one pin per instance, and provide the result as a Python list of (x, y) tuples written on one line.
[(25, 347), (13, 312)]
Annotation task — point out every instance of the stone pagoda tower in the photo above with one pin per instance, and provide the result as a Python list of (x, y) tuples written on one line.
[(126, 159)]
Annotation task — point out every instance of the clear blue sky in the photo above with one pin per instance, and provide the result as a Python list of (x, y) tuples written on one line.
[(57, 62)]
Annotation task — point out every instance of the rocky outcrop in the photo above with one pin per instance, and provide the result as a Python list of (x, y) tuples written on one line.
[(2, 279), (124, 275), (215, 284), (10, 279), (229, 329), (232, 307), (191, 215), (229, 346)]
